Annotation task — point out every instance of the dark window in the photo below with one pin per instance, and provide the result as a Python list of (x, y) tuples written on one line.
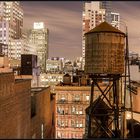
[(53, 118), (112, 17), (33, 106), (116, 18)]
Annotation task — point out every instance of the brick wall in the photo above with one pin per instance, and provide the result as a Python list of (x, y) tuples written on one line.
[(43, 115), (136, 100), (15, 110), (53, 112), (14, 107)]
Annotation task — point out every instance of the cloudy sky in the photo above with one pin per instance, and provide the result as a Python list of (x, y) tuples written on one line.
[(64, 21)]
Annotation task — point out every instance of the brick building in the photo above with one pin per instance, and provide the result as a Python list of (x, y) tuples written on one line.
[(14, 107), (25, 112), (42, 113), (135, 89), (71, 102)]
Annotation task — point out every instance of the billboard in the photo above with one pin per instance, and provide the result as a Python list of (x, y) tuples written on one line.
[(38, 25)]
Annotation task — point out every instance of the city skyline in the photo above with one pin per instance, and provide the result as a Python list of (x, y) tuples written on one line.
[(64, 21), (56, 83)]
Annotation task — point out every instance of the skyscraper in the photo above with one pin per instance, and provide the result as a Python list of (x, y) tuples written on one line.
[(94, 13), (107, 6), (39, 37), (115, 19), (11, 22), (21, 46)]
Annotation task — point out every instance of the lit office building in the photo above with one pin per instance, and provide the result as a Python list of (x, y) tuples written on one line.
[(50, 79), (78, 63), (11, 22), (21, 46), (39, 36), (54, 65)]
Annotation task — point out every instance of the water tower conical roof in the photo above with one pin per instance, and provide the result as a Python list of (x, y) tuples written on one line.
[(105, 27)]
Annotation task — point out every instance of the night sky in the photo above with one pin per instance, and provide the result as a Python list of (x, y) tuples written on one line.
[(64, 21)]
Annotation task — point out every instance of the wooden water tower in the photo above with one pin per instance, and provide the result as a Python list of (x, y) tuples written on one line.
[(105, 61)]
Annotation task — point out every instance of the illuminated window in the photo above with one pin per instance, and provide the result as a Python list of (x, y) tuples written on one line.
[(87, 97), (59, 135), (62, 97), (76, 97), (73, 109)]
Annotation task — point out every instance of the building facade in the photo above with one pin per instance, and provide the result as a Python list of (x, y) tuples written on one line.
[(42, 113), (25, 112), (54, 65), (50, 79), (94, 13), (71, 103), (106, 5), (14, 107), (39, 36), (115, 19), (11, 23), (21, 46)]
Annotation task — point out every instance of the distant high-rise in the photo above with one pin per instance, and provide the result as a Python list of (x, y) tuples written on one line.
[(107, 6), (94, 13), (21, 46), (11, 22), (39, 37), (115, 19)]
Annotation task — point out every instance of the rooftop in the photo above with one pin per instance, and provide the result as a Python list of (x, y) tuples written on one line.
[(21, 80), (2, 73), (73, 88), (38, 89)]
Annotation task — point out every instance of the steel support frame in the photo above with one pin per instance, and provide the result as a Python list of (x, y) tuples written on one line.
[(114, 107)]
